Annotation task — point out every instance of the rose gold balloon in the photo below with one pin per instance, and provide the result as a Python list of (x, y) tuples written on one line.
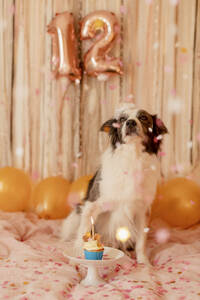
[(64, 58), (96, 60)]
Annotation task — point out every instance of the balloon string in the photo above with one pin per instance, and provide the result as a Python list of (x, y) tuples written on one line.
[(155, 49), (121, 49), (79, 92)]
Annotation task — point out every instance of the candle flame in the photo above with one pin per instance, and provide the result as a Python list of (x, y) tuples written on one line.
[(92, 220)]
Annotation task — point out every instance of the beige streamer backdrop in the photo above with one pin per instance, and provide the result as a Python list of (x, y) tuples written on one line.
[(51, 127)]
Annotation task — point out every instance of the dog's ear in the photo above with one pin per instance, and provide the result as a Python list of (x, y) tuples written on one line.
[(108, 125), (159, 127)]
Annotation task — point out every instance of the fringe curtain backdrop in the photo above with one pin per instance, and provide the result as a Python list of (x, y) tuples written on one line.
[(51, 127)]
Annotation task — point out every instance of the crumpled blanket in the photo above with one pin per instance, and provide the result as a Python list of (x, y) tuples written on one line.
[(32, 265)]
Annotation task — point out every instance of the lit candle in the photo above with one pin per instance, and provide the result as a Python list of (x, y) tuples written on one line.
[(92, 221)]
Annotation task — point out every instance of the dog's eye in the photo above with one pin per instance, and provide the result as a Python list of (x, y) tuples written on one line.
[(122, 119), (143, 118)]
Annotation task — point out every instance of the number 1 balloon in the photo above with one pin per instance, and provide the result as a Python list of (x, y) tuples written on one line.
[(96, 60), (64, 58)]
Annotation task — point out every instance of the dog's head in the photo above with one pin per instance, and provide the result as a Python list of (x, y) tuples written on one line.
[(130, 124)]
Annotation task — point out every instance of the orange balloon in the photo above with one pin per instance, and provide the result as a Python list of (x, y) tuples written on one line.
[(49, 199), (15, 189), (78, 190), (178, 202)]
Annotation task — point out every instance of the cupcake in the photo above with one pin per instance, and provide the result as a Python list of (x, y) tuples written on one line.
[(93, 249)]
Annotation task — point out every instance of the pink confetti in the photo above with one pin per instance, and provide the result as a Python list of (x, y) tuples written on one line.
[(75, 165), (117, 269), (138, 177), (191, 122), (192, 202), (168, 69), (51, 76), (129, 97), (161, 153), (37, 91), (107, 206), (138, 64), (51, 104), (173, 92), (117, 28), (58, 264), (159, 122), (198, 137), (35, 176), (162, 235), (12, 9), (155, 140), (183, 58), (73, 199), (116, 125), (176, 168), (119, 40), (38, 272), (63, 293), (127, 290), (122, 9), (112, 87), (67, 98), (108, 58)]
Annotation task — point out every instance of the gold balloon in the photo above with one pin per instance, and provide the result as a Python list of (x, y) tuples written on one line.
[(78, 190), (49, 198), (15, 189), (178, 202)]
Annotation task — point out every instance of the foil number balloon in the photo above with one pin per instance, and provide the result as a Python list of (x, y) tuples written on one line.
[(64, 59), (96, 60)]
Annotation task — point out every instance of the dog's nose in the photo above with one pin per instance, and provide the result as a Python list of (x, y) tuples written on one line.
[(131, 123)]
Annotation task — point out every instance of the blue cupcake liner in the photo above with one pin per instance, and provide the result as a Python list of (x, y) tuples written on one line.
[(93, 255)]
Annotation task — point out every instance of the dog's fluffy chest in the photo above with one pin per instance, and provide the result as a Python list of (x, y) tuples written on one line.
[(124, 172)]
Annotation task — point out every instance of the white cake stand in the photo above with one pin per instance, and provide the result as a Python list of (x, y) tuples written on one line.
[(110, 257)]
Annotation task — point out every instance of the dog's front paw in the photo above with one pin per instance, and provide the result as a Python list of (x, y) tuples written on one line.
[(143, 259)]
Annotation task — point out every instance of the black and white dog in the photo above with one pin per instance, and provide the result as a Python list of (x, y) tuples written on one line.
[(122, 190)]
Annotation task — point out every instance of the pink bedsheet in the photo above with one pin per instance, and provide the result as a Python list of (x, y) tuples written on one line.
[(32, 266)]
